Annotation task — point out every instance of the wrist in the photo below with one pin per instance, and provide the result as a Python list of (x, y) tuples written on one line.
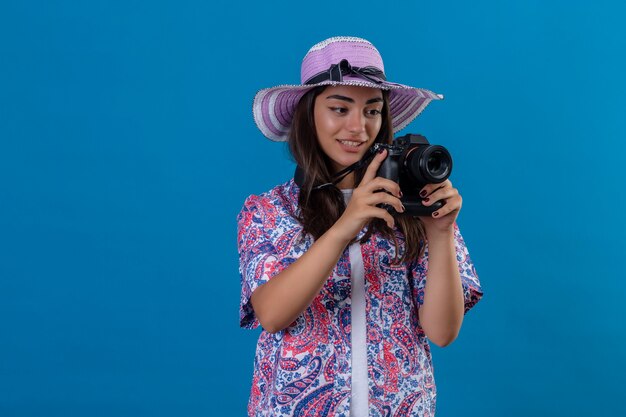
[(440, 234), (337, 236)]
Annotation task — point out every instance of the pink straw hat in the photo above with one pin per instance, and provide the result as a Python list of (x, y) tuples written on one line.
[(339, 60)]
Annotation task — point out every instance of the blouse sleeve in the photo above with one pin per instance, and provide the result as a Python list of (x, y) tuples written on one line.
[(472, 291), (259, 260)]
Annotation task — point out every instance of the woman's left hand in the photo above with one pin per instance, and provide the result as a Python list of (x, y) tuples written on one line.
[(442, 220)]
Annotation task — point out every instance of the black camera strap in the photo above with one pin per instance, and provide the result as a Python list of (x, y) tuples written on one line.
[(299, 174)]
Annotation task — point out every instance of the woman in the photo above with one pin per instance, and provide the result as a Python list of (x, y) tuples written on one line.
[(347, 294)]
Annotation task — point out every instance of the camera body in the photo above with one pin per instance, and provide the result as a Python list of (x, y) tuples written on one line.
[(413, 162)]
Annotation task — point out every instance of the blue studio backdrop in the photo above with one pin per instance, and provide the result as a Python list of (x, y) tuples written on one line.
[(127, 148)]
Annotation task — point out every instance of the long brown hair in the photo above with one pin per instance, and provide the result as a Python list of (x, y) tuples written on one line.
[(320, 209)]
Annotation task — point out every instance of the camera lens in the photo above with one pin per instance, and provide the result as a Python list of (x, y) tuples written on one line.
[(436, 163), (429, 164)]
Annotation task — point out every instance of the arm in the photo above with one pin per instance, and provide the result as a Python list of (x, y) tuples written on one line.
[(279, 301), (441, 315), (282, 299)]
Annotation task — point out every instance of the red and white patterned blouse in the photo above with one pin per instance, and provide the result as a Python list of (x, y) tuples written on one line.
[(305, 369)]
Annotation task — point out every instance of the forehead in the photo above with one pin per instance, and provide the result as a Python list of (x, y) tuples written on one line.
[(357, 93)]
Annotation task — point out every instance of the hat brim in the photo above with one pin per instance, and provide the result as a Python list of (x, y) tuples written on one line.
[(273, 108)]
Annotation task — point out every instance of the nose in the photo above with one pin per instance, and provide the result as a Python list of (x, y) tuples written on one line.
[(355, 123)]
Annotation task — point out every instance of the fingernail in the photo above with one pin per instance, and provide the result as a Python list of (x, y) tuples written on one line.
[(426, 200), (400, 194), (423, 193), (403, 208), (435, 214)]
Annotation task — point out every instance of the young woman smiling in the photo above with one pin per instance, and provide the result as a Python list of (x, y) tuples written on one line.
[(348, 295)]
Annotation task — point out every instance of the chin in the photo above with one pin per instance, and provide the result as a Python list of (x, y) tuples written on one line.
[(346, 162)]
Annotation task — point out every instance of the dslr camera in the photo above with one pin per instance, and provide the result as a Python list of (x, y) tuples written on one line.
[(412, 162)]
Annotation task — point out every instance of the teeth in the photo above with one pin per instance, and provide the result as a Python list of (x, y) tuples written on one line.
[(350, 143)]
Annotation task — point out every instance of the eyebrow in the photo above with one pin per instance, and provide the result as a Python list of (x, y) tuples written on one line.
[(349, 100)]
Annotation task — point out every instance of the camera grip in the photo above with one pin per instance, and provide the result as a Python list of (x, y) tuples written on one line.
[(390, 168), (414, 206)]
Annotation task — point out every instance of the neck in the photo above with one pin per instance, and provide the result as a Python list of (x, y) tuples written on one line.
[(347, 182)]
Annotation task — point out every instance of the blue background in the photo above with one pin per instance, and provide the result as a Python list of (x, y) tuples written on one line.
[(127, 148)]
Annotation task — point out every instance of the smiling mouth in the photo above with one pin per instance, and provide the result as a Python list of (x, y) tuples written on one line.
[(351, 143)]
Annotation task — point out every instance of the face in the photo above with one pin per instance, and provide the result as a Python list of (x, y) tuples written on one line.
[(347, 121)]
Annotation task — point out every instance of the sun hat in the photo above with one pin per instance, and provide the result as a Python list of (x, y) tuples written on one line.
[(340, 60)]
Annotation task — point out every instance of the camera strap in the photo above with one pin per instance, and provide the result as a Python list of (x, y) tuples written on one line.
[(299, 174)]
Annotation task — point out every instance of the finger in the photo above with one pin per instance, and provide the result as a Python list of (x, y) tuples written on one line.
[(384, 198), (430, 188), (440, 194), (453, 204), (370, 172), (380, 183), (381, 213)]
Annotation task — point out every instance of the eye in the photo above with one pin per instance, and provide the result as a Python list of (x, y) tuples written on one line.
[(339, 110), (373, 112)]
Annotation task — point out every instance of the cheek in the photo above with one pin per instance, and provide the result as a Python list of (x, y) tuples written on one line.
[(326, 126), (374, 127)]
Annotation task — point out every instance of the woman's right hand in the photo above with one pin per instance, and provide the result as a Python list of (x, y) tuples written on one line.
[(362, 206)]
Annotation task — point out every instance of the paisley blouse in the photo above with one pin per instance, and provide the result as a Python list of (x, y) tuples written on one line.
[(305, 369)]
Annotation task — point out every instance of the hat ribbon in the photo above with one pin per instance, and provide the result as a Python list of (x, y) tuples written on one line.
[(336, 72)]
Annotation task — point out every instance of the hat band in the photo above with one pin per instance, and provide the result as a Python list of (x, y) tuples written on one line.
[(336, 72)]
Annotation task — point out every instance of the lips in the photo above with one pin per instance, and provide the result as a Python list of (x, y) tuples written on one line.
[(352, 146)]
